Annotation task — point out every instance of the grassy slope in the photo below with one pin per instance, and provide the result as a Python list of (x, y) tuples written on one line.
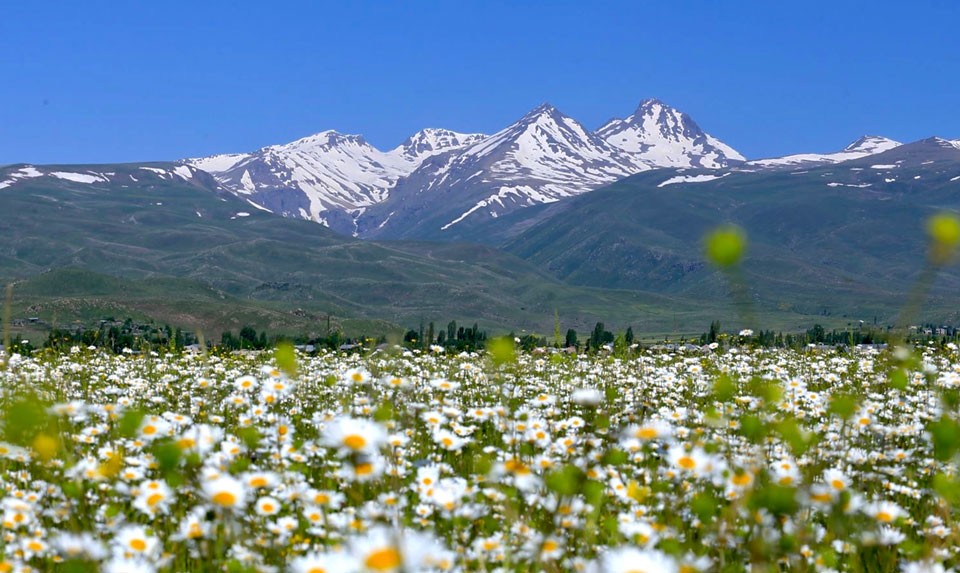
[(177, 251), (814, 248)]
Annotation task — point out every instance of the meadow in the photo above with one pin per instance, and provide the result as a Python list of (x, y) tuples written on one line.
[(724, 459)]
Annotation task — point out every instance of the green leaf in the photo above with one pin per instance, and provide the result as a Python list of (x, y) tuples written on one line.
[(777, 499), (23, 419), (843, 405), (753, 428), (129, 423), (566, 480), (724, 388), (250, 437), (944, 229), (794, 435), (286, 358), (593, 492), (725, 246), (384, 412), (945, 434), (167, 454), (705, 506), (898, 379), (615, 458), (502, 350)]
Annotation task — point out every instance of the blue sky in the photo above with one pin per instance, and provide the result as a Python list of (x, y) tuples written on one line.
[(130, 81)]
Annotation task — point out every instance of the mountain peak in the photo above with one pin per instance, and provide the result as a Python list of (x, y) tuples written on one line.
[(432, 140), (328, 137), (543, 110), (665, 137), (651, 103), (872, 144)]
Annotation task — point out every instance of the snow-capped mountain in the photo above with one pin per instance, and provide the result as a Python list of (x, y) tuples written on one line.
[(431, 141), (665, 137), (541, 158), (863, 147), (545, 156), (328, 177)]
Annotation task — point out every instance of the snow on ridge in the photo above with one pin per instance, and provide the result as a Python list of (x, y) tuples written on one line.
[(161, 172), (217, 163), (78, 177), (858, 186), (692, 179), (524, 192), (863, 147), (27, 172), (430, 141), (183, 171)]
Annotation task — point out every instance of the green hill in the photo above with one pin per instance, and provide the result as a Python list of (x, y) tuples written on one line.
[(844, 240)]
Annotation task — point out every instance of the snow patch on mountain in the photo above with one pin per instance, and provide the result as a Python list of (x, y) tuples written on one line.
[(863, 147), (78, 177), (692, 179), (27, 172)]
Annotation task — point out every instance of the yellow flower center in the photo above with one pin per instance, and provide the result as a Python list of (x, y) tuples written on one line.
[(687, 463), (647, 433), (884, 516), (138, 545), (224, 499), (386, 559), (154, 499), (149, 430), (837, 484), (258, 481), (364, 469), (516, 467), (355, 442)]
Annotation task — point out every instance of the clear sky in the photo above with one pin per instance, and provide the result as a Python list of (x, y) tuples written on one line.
[(119, 81)]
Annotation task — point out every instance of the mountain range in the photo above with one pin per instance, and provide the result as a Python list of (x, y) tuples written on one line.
[(593, 223), (350, 186)]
